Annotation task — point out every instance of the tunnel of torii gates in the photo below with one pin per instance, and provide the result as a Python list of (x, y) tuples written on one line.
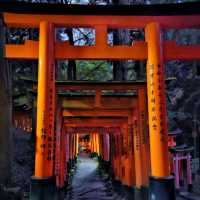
[(139, 158)]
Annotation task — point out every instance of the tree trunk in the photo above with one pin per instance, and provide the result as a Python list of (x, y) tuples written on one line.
[(120, 37), (140, 69), (71, 70), (5, 113)]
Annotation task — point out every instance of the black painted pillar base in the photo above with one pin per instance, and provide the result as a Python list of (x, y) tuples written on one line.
[(100, 159), (68, 166), (141, 193), (71, 164), (129, 191), (75, 159), (190, 188), (43, 188), (107, 166), (162, 188), (60, 193)]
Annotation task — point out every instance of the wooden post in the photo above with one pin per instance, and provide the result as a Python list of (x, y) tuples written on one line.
[(98, 99), (67, 151), (142, 120), (75, 139), (58, 146), (161, 184), (106, 151), (119, 155), (131, 151), (95, 143), (74, 147), (77, 144), (116, 156), (91, 143), (113, 153), (137, 151), (43, 181), (106, 146), (127, 157), (62, 160), (98, 147)]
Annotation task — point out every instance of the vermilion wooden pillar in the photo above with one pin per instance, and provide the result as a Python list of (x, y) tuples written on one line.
[(103, 148), (161, 184), (58, 159), (115, 156), (131, 151), (125, 158), (120, 160), (101, 154), (91, 143), (94, 142), (70, 150), (70, 147), (111, 154), (77, 144), (74, 147), (64, 157), (141, 147), (144, 141), (103, 145), (67, 152), (43, 183), (137, 151), (106, 145), (62, 160), (107, 152), (97, 141)]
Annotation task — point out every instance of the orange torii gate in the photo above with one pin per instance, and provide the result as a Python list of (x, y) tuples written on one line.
[(156, 51)]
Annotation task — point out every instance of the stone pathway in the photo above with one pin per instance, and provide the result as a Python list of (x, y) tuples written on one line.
[(189, 196), (88, 184)]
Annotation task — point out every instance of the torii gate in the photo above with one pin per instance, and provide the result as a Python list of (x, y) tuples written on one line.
[(156, 51)]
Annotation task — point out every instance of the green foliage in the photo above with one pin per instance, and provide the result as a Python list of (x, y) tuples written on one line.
[(94, 155), (22, 70), (94, 70)]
